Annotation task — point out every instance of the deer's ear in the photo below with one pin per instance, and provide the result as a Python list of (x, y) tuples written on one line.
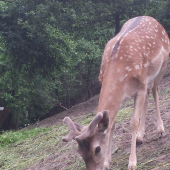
[(104, 123)]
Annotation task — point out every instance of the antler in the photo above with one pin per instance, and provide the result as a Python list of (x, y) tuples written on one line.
[(76, 129), (90, 130), (73, 130)]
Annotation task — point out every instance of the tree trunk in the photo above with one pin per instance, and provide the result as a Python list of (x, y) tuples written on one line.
[(117, 23), (17, 124)]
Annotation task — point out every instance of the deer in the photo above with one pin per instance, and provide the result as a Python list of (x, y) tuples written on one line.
[(135, 57)]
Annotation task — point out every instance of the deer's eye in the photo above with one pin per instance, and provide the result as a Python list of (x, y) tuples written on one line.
[(97, 150)]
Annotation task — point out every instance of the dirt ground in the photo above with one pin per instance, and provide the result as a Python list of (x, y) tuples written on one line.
[(153, 153)]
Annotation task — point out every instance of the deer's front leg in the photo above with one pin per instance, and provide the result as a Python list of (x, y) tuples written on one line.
[(109, 150), (139, 102)]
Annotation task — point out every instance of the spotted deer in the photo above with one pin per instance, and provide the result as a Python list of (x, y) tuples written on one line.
[(136, 56)]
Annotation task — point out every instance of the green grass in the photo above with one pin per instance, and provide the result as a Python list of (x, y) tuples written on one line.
[(124, 113), (22, 148), (10, 137)]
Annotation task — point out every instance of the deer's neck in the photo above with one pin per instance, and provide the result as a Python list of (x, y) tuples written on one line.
[(111, 97)]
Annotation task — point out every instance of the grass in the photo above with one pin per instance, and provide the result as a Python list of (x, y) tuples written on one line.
[(10, 137), (22, 148)]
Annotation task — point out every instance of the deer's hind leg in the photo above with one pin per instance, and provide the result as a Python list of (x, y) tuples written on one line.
[(141, 128), (160, 126)]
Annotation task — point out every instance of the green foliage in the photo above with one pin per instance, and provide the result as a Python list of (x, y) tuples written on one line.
[(11, 137), (23, 27)]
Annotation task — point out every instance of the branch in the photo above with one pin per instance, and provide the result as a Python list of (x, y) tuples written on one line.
[(63, 106)]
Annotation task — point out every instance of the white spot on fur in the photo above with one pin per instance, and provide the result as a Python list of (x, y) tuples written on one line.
[(146, 64), (122, 78), (121, 40), (137, 67), (108, 48)]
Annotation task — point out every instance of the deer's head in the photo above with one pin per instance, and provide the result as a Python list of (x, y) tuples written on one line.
[(92, 139)]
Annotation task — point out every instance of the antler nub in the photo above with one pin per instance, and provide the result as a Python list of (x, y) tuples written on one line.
[(73, 131)]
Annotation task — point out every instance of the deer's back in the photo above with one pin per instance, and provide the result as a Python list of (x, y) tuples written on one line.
[(140, 50)]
